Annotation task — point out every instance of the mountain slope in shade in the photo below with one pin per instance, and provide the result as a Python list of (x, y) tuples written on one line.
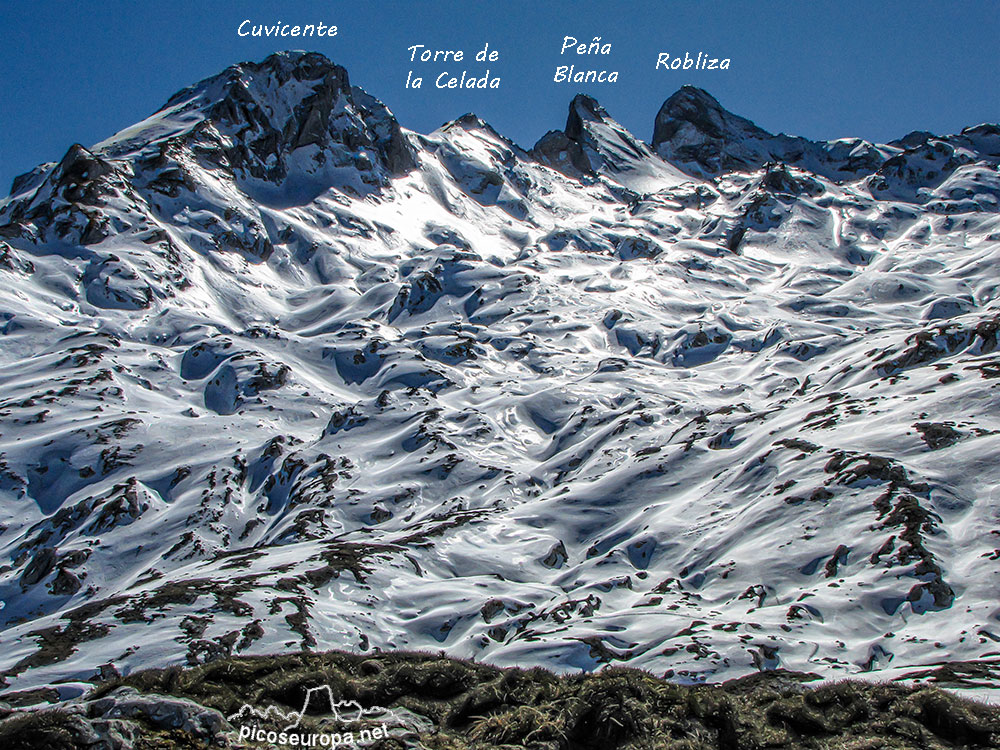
[(277, 373)]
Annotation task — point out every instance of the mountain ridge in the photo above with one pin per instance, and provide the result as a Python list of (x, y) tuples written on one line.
[(278, 373), (688, 113)]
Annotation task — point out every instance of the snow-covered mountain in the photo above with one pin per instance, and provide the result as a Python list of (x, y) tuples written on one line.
[(277, 373)]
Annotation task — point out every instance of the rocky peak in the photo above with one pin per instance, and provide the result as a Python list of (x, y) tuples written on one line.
[(594, 143), (293, 121), (79, 177), (293, 100), (697, 134), (583, 109), (914, 139), (692, 110), (282, 80), (292, 93), (257, 117), (79, 166), (68, 196), (563, 149), (471, 122)]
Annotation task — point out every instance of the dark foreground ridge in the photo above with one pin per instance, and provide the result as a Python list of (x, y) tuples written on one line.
[(439, 703)]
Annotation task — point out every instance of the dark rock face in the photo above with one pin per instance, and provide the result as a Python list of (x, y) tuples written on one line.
[(564, 149), (938, 435), (39, 567), (291, 101), (559, 151), (69, 200), (81, 172), (695, 132)]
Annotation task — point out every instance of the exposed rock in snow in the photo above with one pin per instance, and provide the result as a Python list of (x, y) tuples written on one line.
[(277, 373)]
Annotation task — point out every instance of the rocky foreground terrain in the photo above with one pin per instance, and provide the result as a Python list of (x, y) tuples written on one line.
[(444, 704), (278, 374)]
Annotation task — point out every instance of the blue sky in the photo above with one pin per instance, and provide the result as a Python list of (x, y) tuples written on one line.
[(79, 71)]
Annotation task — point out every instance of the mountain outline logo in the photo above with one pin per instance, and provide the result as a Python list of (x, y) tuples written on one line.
[(337, 710), (340, 718)]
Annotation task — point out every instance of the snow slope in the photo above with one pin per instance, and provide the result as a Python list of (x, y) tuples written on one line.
[(277, 373)]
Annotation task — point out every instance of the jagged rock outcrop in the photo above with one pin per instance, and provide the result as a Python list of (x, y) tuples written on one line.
[(593, 143)]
